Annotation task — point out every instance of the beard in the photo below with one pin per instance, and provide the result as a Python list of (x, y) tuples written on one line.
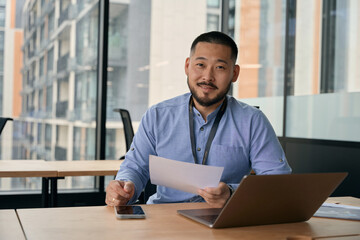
[(206, 101)]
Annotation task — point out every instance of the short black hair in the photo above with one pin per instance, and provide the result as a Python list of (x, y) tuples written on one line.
[(217, 38)]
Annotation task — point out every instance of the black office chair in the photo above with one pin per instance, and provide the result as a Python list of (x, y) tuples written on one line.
[(128, 129), (3, 122), (149, 189)]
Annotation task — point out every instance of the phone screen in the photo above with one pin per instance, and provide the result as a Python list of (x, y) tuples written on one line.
[(124, 212)]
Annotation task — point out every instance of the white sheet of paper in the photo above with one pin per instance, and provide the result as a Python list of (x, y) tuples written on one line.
[(187, 177), (339, 206)]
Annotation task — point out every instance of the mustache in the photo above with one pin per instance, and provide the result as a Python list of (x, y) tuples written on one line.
[(210, 84)]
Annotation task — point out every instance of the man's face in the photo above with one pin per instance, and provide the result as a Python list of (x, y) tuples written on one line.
[(210, 72)]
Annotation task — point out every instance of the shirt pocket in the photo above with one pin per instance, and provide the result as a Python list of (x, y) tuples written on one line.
[(232, 158)]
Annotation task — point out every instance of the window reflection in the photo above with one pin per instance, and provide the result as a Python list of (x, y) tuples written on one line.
[(55, 70)]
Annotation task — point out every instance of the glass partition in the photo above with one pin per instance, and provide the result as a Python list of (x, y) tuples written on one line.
[(260, 34), (327, 77)]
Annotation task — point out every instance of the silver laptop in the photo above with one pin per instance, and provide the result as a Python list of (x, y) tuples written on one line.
[(270, 199)]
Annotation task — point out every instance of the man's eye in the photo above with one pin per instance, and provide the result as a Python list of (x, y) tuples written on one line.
[(199, 64), (221, 67)]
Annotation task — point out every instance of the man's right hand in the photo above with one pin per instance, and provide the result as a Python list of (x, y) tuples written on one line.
[(119, 192)]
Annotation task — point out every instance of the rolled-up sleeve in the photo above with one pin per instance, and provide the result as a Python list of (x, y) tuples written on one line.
[(266, 153)]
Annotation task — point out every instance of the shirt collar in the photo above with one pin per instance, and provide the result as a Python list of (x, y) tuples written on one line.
[(210, 117)]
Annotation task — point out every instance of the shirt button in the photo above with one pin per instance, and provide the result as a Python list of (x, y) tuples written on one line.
[(198, 114), (201, 129), (199, 149), (281, 160)]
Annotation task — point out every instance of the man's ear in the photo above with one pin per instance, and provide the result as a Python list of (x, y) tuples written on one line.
[(236, 73), (187, 63)]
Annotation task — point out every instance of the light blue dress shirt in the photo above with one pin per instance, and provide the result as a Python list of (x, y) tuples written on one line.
[(244, 140)]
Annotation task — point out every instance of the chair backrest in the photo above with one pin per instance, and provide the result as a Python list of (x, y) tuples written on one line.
[(128, 129), (149, 189), (3, 122)]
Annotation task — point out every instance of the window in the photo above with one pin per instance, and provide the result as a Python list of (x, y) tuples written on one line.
[(51, 22), (46, 123), (42, 35), (213, 22), (39, 134), (50, 61), (148, 42), (49, 97), (213, 3), (2, 16), (213, 19), (326, 77), (40, 103), (261, 43), (41, 67)]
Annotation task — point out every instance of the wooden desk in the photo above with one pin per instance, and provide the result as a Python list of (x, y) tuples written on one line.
[(86, 168), (41, 168), (162, 222), (30, 168), (26, 168), (10, 227), (54, 170), (81, 168)]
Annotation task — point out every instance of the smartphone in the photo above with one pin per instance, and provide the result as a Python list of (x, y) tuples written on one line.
[(129, 212)]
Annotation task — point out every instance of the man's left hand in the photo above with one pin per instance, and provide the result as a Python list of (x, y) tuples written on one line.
[(216, 197)]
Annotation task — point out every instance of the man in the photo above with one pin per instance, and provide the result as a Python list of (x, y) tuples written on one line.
[(204, 126)]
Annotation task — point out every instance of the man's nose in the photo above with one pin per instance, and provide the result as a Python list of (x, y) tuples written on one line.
[(208, 74)]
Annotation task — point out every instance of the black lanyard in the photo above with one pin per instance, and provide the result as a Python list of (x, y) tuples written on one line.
[(212, 131)]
